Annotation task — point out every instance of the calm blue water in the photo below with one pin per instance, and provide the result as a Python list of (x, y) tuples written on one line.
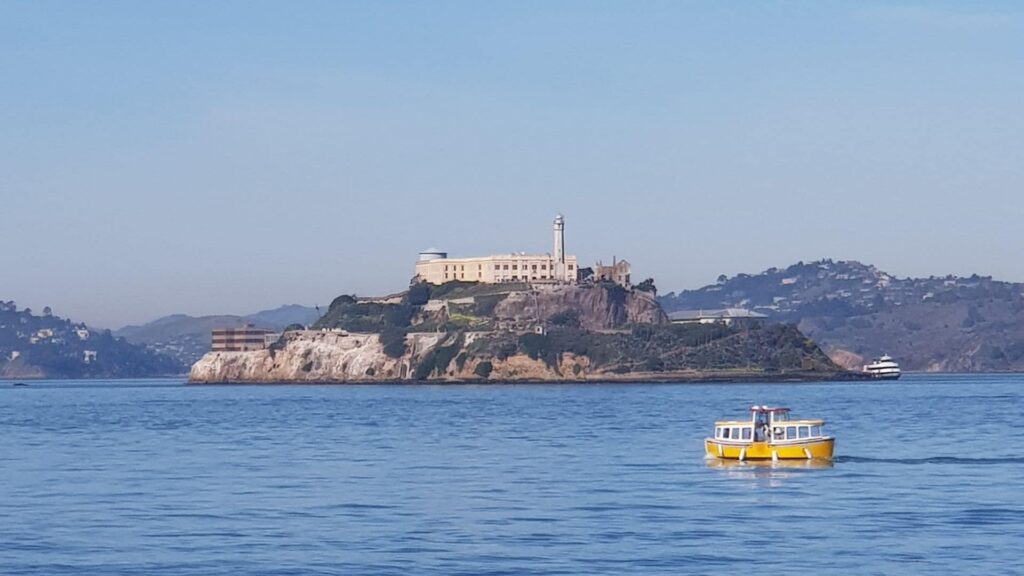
[(128, 477)]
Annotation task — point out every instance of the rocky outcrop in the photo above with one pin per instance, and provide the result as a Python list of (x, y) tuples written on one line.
[(19, 369), (314, 356), (461, 332), (669, 353), (598, 307)]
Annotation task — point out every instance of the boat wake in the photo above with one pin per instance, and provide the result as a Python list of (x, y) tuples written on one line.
[(931, 460)]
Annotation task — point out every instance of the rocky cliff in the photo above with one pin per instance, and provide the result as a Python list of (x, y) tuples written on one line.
[(644, 353), (314, 356), (591, 308), (462, 332), (464, 305)]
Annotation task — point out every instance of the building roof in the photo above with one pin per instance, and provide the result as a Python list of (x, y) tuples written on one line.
[(617, 264), (720, 314), (513, 256)]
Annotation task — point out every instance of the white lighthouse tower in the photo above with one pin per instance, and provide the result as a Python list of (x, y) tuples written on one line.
[(559, 253)]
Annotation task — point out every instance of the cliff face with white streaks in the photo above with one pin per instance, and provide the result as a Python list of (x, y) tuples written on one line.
[(312, 356), (562, 354)]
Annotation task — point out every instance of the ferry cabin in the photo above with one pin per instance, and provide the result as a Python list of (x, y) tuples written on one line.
[(770, 435), (791, 431)]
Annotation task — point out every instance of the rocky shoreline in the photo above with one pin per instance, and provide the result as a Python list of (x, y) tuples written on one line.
[(749, 378), (338, 357)]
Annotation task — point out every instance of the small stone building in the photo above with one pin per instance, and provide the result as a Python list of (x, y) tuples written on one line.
[(618, 272)]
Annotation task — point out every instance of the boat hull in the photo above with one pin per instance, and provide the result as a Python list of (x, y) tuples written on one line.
[(884, 376), (816, 449)]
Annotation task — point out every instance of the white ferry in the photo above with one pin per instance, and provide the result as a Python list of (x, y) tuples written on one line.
[(884, 368)]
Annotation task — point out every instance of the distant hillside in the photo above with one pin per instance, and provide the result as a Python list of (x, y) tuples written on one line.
[(48, 346), (855, 312), (187, 338)]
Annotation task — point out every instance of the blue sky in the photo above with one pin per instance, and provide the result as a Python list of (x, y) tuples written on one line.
[(222, 157)]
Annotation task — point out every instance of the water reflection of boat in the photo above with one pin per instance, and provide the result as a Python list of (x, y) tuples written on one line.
[(769, 434), (767, 464)]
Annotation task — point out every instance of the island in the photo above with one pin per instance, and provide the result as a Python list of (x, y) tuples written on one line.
[(461, 331)]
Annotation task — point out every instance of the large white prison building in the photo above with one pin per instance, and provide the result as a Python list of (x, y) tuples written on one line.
[(436, 267)]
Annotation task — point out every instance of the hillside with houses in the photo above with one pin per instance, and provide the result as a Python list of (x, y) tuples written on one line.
[(856, 311), (48, 346)]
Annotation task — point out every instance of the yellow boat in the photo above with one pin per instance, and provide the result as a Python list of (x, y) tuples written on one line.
[(769, 434)]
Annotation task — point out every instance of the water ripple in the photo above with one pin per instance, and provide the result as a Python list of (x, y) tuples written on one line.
[(131, 478), (931, 460)]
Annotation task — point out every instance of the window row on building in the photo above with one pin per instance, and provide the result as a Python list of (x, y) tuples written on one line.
[(241, 339), (496, 269)]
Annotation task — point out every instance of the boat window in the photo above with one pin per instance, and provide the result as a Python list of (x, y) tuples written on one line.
[(790, 432), (746, 433), (815, 431), (718, 431), (805, 431), (725, 432)]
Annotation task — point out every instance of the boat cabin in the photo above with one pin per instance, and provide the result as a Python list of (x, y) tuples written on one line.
[(770, 425)]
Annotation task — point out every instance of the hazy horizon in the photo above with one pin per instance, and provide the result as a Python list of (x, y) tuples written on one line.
[(226, 158)]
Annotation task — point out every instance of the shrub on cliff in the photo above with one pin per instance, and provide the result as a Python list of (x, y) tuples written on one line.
[(539, 347), (570, 318), (662, 348), (341, 300), (484, 369), (393, 340), (451, 289), (398, 315), (485, 305), (653, 364), (366, 316), (418, 294), (647, 286), (464, 289)]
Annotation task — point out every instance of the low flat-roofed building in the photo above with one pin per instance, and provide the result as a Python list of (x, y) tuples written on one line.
[(242, 339), (727, 316)]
